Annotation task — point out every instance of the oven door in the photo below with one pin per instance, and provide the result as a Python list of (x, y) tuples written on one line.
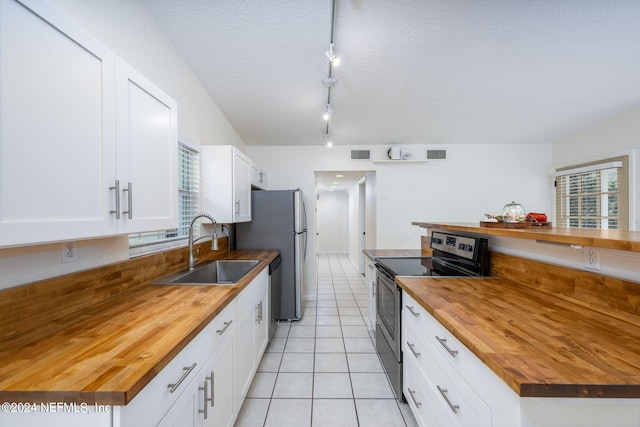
[(388, 305)]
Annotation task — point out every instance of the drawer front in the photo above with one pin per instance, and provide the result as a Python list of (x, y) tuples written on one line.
[(221, 326), (253, 291), (459, 357), (423, 404), (464, 407), (150, 405)]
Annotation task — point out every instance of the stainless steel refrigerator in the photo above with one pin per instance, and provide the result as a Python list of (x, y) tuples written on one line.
[(278, 221)]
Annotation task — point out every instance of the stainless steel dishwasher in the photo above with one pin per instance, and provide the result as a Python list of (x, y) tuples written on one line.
[(274, 293)]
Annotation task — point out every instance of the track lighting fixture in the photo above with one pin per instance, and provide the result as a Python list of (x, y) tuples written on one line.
[(328, 140), (331, 56)]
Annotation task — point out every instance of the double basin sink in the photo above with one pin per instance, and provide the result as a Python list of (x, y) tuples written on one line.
[(219, 272)]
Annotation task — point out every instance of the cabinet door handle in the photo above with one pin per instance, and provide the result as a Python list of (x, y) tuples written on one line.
[(413, 397), (237, 207), (411, 310), (443, 392), (211, 380), (129, 191), (261, 177), (261, 311), (186, 371), (443, 341), (117, 188), (206, 399), (411, 347), (226, 325), (257, 313)]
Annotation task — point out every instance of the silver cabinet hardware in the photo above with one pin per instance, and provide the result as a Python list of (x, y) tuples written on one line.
[(226, 325), (261, 180), (443, 341), (411, 310), (413, 397), (411, 347), (237, 207), (211, 379), (443, 392), (206, 399), (186, 371), (117, 188), (129, 191), (261, 312)]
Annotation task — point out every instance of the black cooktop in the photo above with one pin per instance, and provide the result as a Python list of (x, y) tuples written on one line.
[(407, 266)]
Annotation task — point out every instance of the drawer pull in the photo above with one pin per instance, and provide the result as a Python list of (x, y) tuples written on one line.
[(206, 398), (412, 311), (412, 394), (186, 371), (411, 347), (443, 341), (226, 325), (443, 392)]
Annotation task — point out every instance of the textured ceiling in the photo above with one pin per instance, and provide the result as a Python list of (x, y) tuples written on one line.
[(412, 71)]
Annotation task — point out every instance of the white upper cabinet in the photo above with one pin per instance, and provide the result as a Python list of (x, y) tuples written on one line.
[(57, 128), (258, 178), (225, 183), (70, 129), (147, 153)]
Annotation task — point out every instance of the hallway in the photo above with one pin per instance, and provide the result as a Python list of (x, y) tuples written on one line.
[(323, 370)]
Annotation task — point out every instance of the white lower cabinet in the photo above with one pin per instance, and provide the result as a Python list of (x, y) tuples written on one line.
[(445, 384), (253, 331), (203, 386), (370, 277)]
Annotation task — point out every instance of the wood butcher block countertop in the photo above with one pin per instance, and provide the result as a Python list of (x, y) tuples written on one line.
[(540, 345), (107, 352)]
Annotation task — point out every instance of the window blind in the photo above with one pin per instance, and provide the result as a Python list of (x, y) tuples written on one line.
[(593, 195)]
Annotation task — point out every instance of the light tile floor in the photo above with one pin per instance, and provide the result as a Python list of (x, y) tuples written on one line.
[(323, 370)]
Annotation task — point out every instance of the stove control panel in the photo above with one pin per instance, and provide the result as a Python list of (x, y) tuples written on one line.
[(461, 246)]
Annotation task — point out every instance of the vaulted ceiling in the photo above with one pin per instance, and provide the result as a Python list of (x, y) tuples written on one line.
[(412, 71)]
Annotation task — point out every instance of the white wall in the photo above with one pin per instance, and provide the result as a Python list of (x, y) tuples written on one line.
[(618, 134), (126, 28), (472, 181), (331, 219)]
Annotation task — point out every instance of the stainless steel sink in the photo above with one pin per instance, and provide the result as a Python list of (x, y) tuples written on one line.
[(219, 272)]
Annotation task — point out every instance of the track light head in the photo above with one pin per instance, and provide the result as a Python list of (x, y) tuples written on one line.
[(327, 113), (331, 56)]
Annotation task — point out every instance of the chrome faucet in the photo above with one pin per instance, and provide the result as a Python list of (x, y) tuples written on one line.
[(214, 241)]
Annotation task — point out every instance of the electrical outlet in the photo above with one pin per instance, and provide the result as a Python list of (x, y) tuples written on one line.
[(69, 252), (591, 259)]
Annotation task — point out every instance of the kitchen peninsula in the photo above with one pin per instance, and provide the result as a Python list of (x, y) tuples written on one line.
[(535, 344)]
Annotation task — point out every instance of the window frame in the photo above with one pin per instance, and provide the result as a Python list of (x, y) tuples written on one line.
[(623, 163)]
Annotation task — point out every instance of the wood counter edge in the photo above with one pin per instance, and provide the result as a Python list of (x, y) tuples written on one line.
[(524, 389)]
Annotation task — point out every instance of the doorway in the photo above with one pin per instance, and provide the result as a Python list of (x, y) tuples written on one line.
[(345, 214)]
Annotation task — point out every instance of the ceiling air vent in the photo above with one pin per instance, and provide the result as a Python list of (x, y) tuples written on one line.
[(360, 154), (436, 154)]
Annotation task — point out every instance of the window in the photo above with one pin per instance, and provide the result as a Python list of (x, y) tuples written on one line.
[(188, 194), (594, 195)]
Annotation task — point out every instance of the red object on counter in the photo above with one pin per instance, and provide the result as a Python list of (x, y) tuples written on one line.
[(536, 217)]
